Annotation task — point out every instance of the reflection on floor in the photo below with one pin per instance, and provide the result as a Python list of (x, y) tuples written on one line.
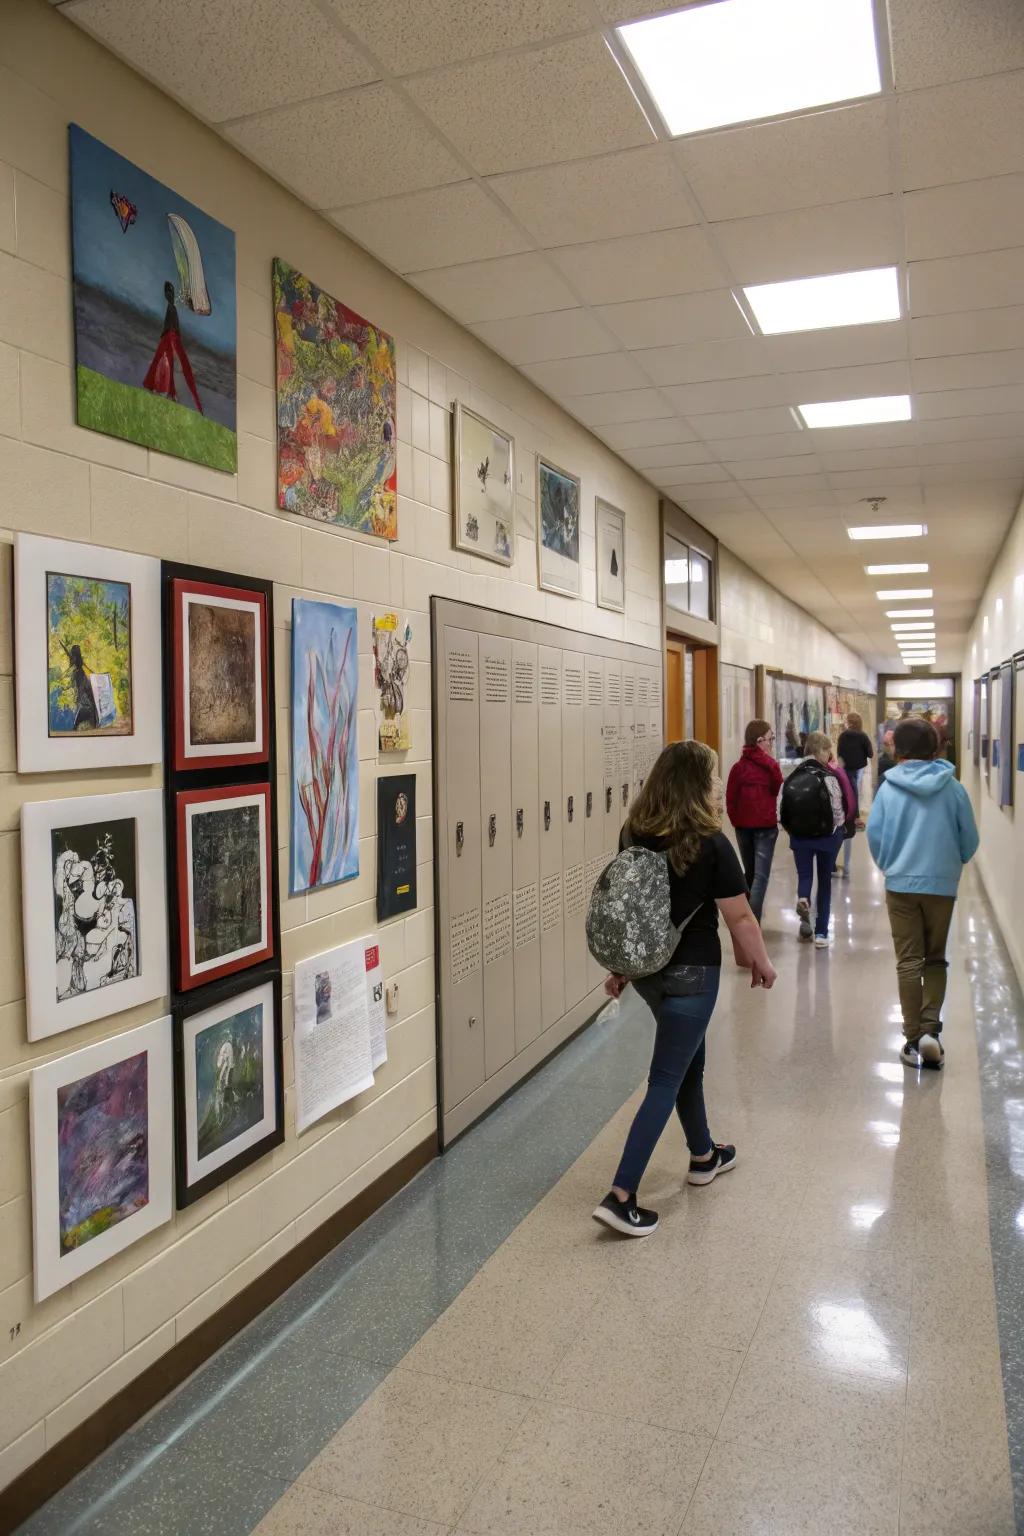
[(807, 1346)]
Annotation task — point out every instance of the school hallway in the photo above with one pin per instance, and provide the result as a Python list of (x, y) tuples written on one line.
[(828, 1340)]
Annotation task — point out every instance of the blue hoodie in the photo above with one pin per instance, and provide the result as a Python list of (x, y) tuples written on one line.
[(921, 830)]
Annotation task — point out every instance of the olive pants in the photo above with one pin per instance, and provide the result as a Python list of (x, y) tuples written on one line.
[(920, 928)]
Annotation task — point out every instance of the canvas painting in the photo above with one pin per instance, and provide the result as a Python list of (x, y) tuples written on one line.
[(611, 557), (325, 767), (220, 677), (558, 517), (95, 909), (154, 311), (485, 488), (101, 1152), (228, 1086), (336, 403), (224, 913), (88, 645)]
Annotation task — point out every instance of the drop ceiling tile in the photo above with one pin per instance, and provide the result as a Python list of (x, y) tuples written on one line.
[(869, 458), (891, 483), (942, 403), (616, 406), (985, 455), (997, 491), (683, 318), (536, 338), (848, 346), (387, 148), (711, 491), (526, 109), (775, 445), (657, 455), (745, 423), (822, 157), (784, 485), (686, 477), (651, 266), (495, 290), (587, 375), (988, 280), (934, 41), (662, 431), (842, 237), (418, 34), (889, 434), (725, 395), (969, 216), (971, 331), (770, 469), (775, 495), (704, 360), (962, 132), (231, 69), (436, 228), (630, 193), (846, 383), (973, 370), (968, 428)]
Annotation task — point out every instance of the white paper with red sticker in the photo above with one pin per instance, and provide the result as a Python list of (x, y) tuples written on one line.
[(375, 1003)]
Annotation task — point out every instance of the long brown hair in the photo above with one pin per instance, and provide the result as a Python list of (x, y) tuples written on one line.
[(680, 802)]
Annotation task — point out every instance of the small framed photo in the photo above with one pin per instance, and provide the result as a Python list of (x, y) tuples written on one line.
[(558, 527), (95, 907), (219, 674), (484, 487), (611, 556), (87, 637), (228, 1085), (100, 1131), (224, 879)]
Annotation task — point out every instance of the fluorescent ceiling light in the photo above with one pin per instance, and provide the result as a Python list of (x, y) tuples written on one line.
[(855, 413), (913, 629), (819, 303), (893, 594), (896, 570), (890, 531), (915, 650), (737, 60), (910, 613)]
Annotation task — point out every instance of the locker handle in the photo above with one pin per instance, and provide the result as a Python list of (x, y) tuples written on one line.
[(460, 838), (608, 798), (547, 815), (519, 821), (590, 802), (570, 806), (492, 829)]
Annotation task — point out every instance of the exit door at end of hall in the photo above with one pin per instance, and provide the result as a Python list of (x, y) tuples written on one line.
[(691, 691)]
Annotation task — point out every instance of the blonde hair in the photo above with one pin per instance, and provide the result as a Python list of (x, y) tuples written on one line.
[(817, 742), (855, 721), (680, 802)]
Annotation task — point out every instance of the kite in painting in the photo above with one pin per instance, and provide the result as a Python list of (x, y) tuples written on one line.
[(336, 393), (325, 768)]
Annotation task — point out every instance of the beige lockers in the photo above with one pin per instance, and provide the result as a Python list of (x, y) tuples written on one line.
[(542, 737)]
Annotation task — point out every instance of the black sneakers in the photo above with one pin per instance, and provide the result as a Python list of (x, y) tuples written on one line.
[(926, 1052), (722, 1159), (626, 1216)]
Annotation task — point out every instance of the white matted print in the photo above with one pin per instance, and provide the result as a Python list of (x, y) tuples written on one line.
[(611, 556), (87, 636), (558, 528), (101, 1138), (229, 1069), (484, 477), (95, 907)]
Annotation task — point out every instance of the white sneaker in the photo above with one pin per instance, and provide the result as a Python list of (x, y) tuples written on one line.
[(930, 1051), (821, 941)]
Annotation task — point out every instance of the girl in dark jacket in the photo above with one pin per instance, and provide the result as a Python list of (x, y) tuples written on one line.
[(750, 798)]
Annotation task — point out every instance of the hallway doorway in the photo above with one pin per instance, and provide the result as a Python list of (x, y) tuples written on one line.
[(691, 691)]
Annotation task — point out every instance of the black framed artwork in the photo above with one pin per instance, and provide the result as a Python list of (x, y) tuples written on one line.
[(396, 844)]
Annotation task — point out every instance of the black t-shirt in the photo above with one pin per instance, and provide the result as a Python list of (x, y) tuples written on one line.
[(855, 748), (714, 875)]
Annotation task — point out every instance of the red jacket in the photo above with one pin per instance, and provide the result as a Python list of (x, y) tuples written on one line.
[(753, 789)]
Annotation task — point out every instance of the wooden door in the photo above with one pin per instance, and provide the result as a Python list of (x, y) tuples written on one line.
[(705, 695), (674, 689)]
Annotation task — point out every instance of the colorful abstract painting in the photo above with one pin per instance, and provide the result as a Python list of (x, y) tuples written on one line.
[(228, 858), (336, 401), (222, 677), (325, 768), (95, 906), (154, 309), (89, 656), (229, 1079), (102, 1150)]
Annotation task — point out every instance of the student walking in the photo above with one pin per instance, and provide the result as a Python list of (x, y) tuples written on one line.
[(921, 833), (813, 812), (886, 758), (855, 751), (751, 800), (679, 812)]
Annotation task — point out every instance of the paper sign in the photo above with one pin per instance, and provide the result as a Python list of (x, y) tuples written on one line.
[(376, 1011), (333, 1053)]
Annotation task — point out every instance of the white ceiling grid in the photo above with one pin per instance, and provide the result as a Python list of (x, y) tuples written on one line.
[(496, 157)]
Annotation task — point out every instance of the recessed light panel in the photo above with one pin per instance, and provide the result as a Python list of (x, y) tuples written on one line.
[(737, 60), (893, 594), (910, 613), (896, 570), (856, 413), (890, 531), (913, 629), (820, 303)]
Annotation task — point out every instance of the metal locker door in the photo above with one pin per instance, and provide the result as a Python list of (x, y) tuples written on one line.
[(640, 729), (593, 789), (549, 757), (614, 813), (655, 732), (525, 844), (496, 850), (462, 1009), (573, 841), (627, 728)]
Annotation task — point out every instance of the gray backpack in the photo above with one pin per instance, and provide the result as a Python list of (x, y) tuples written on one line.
[(629, 922)]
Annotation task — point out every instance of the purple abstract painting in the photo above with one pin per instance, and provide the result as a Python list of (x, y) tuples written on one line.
[(103, 1150)]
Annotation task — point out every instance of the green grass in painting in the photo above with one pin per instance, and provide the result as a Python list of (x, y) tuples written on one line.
[(100, 1221), (121, 410)]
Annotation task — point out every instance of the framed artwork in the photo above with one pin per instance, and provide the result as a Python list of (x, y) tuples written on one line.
[(224, 878), (219, 674), (391, 640), (611, 556), (325, 763), (396, 845), (484, 487), (336, 404), (87, 636), (558, 525), (100, 1131), (95, 907), (228, 1085), (154, 310)]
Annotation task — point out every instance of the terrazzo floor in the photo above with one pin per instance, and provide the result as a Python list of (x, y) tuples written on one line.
[(810, 1345)]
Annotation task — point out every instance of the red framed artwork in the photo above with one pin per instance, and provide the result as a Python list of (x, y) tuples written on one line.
[(223, 864), (220, 715)]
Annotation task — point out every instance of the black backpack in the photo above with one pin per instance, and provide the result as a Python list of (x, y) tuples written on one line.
[(806, 806)]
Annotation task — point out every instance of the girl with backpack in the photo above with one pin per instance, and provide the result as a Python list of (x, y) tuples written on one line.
[(678, 814), (813, 810)]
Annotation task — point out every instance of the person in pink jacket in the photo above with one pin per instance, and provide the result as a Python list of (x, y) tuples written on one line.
[(850, 806)]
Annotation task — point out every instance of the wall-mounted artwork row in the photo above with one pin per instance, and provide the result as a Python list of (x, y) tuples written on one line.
[(611, 556), (336, 406), (558, 523), (154, 309), (325, 763), (484, 484)]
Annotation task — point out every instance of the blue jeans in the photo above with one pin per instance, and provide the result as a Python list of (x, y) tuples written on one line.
[(855, 778), (757, 849), (822, 852), (676, 1078)]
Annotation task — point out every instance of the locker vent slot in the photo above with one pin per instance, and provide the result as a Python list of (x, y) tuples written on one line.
[(614, 687), (573, 684), (550, 902), (524, 681), (461, 677), (495, 680), (525, 915), (465, 943), (628, 689), (575, 890), (497, 928), (595, 687), (550, 690)]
